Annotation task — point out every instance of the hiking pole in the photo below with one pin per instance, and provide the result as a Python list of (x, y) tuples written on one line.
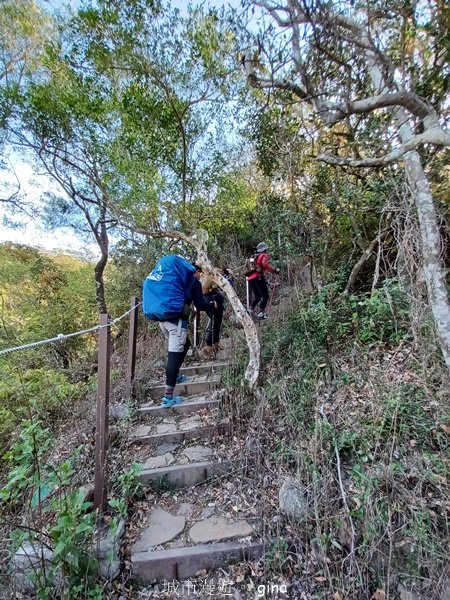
[(195, 332), (248, 293), (214, 352), (274, 284), (205, 333)]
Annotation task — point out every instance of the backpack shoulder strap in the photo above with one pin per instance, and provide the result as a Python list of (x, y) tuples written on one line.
[(189, 286)]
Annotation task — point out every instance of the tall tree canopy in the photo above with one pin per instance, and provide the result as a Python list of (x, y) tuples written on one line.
[(377, 76)]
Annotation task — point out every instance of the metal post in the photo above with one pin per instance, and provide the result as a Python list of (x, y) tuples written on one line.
[(101, 431), (132, 336)]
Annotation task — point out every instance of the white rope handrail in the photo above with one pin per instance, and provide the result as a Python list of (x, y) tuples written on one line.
[(64, 336)]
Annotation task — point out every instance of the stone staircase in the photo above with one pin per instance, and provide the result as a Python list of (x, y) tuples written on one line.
[(185, 529)]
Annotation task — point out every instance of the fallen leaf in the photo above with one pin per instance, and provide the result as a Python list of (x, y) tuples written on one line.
[(379, 595), (201, 573), (320, 579), (445, 428)]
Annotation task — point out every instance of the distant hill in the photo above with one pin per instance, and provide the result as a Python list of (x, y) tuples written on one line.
[(68, 259)]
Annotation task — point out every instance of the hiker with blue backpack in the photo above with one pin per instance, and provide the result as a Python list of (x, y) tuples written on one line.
[(168, 292), (257, 282)]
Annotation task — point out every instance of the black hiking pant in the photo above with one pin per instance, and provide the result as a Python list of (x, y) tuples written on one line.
[(213, 333), (260, 292)]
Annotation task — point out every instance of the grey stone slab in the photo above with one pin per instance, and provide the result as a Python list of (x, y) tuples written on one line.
[(182, 563), (163, 448), (141, 431), (197, 453), (162, 527), (207, 512), (190, 423), (166, 428), (156, 462), (216, 529)]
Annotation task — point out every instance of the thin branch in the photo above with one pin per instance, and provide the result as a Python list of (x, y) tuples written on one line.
[(364, 258)]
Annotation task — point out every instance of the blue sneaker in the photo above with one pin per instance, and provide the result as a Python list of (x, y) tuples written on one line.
[(182, 378), (168, 402)]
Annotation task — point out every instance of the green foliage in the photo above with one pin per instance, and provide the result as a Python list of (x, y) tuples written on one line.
[(328, 320), (50, 391), (329, 395), (42, 298), (70, 523), (127, 486), (24, 455)]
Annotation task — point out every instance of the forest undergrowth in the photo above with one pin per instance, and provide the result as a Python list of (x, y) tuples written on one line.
[(354, 406)]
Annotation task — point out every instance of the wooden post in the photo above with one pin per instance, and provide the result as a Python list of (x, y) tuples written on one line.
[(132, 336), (101, 431)]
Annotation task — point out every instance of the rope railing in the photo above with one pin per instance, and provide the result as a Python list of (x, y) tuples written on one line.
[(64, 336), (103, 385)]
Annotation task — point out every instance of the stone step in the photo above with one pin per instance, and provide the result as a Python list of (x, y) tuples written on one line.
[(184, 475), (178, 564), (197, 384), (146, 435), (190, 405), (201, 368)]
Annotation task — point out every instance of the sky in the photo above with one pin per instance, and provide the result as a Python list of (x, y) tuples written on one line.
[(28, 230), (34, 186)]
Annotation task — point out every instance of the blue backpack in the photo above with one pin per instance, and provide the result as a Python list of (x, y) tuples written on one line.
[(167, 289)]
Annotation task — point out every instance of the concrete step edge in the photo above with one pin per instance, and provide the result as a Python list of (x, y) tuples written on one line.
[(178, 564), (185, 475), (204, 431), (200, 368), (186, 407), (187, 388)]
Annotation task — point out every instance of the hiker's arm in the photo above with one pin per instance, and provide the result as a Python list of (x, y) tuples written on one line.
[(266, 265), (198, 298)]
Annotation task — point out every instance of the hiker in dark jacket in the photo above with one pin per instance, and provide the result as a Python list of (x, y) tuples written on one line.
[(175, 330), (213, 293), (258, 283)]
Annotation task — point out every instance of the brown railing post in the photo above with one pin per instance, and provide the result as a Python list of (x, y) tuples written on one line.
[(132, 336), (101, 431)]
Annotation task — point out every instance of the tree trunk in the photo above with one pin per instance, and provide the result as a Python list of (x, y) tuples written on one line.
[(432, 251), (103, 243), (251, 335), (434, 271)]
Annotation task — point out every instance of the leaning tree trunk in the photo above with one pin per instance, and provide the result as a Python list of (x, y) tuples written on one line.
[(434, 271), (251, 335)]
